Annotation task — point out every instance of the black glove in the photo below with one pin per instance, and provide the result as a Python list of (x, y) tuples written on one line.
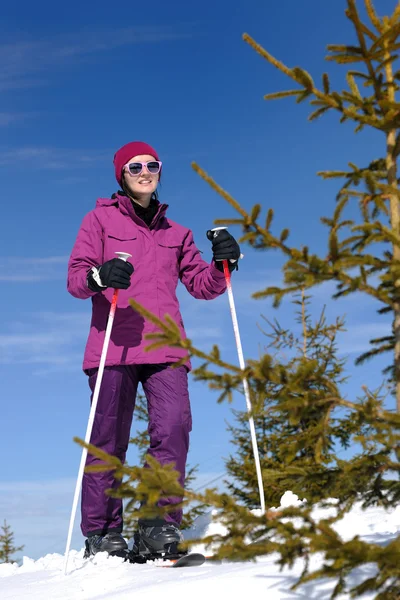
[(115, 273), (224, 247)]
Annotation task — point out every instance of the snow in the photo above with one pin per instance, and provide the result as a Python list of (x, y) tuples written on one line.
[(109, 578)]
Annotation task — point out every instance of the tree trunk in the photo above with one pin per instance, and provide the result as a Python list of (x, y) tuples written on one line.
[(391, 167)]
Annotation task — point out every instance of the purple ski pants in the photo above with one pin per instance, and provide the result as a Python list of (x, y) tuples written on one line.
[(170, 422)]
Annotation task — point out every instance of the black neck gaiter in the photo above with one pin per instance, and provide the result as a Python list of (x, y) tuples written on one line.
[(146, 214)]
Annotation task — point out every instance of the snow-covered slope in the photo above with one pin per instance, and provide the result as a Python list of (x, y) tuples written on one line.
[(108, 578)]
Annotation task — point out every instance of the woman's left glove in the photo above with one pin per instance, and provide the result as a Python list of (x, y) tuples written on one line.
[(224, 247)]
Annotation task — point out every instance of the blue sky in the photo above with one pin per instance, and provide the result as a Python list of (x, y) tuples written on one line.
[(77, 82)]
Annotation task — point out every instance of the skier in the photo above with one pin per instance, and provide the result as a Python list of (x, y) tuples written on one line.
[(163, 252)]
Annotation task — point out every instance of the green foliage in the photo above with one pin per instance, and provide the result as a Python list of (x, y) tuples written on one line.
[(147, 485), (293, 533), (7, 548), (301, 419), (295, 424), (302, 423)]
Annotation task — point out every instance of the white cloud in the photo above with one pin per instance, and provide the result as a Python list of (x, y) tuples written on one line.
[(51, 158), (6, 118), (355, 340), (22, 60), (38, 513), (24, 270), (52, 339), (210, 479), (204, 333)]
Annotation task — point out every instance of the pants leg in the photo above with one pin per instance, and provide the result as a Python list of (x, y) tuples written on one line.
[(170, 420), (111, 432)]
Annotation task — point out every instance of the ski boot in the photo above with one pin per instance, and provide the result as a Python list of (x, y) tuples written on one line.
[(156, 539), (112, 542)]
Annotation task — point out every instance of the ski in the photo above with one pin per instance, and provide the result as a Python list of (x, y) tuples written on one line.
[(188, 560), (194, 559)]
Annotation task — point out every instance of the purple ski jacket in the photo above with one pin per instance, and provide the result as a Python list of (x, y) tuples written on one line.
[(161, 256)]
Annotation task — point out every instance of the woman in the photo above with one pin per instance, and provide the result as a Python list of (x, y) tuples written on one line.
[(163, 252)]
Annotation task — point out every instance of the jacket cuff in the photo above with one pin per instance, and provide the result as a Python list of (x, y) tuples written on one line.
[(218, 264), (216, 272), (93, 280)]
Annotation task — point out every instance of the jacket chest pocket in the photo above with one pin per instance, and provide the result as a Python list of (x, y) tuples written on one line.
[(168, 256), (120, 243)]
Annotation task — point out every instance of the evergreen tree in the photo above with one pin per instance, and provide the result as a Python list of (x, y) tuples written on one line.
[(7, 548), (303, 423), (294, 446)]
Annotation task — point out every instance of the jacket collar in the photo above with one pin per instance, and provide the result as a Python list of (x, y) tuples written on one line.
[(124, 204)]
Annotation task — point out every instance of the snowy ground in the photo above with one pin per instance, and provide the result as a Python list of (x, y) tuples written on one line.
[(108, 578)]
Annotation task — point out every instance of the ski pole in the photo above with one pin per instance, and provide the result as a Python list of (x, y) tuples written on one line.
[(227, 274), (123, 256)]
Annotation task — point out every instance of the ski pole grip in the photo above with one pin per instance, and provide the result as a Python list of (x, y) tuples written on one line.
[(123, 255)]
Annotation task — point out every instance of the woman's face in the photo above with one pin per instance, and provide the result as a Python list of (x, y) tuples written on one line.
[(144, 183)]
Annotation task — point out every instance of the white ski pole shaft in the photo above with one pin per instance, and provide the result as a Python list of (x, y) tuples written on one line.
[(227, 274), (123, 256)]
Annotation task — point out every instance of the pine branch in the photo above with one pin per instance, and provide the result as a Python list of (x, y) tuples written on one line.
[(279, 95), (373, 16), (248, 221), (332, 100), (171, 336), (395, 16)]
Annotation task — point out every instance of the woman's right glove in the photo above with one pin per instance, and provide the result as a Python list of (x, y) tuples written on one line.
[(115, 273)]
